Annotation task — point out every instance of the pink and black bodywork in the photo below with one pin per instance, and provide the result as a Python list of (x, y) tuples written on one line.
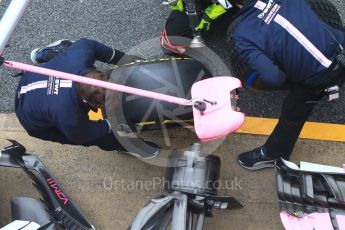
[(56, 210), (311, 196)]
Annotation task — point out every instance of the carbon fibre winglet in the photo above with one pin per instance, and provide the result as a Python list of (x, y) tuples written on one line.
[(60, 205)]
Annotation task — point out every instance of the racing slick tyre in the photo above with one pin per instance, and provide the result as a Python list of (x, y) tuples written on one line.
[(170, 76), (326, 11)]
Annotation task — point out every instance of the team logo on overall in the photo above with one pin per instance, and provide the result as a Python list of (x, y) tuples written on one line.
[(269, 12), (53, 86)]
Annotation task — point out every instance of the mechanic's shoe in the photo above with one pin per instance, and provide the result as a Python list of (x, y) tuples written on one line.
[(145, 150), (255, 159), (41, 55)]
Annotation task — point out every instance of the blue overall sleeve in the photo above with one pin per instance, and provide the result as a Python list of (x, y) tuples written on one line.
[(97, 50), (94, 50), (85, 131), (269, 73)]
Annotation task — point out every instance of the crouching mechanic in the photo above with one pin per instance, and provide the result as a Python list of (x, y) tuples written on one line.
[(179, 26), (286, 41), (57, 110)]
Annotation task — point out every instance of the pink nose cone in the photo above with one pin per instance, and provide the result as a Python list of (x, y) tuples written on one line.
[(218, 119)]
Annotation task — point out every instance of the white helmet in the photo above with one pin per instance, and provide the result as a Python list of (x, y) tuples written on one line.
[(225, 3)]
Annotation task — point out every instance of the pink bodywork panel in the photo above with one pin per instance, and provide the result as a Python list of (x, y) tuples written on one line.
[(220, 119), (313, 221)]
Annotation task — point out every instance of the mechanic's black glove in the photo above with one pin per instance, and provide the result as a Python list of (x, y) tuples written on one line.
[(117, 56), (2, 60), (121, 58)]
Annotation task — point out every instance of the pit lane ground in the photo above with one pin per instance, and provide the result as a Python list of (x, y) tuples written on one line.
[(110, 188)]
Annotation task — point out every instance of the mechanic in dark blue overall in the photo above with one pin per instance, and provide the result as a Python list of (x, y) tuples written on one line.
[(57, 110), (285, 41)]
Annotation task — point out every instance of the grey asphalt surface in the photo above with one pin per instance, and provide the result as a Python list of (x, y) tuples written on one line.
[(130, 26)]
